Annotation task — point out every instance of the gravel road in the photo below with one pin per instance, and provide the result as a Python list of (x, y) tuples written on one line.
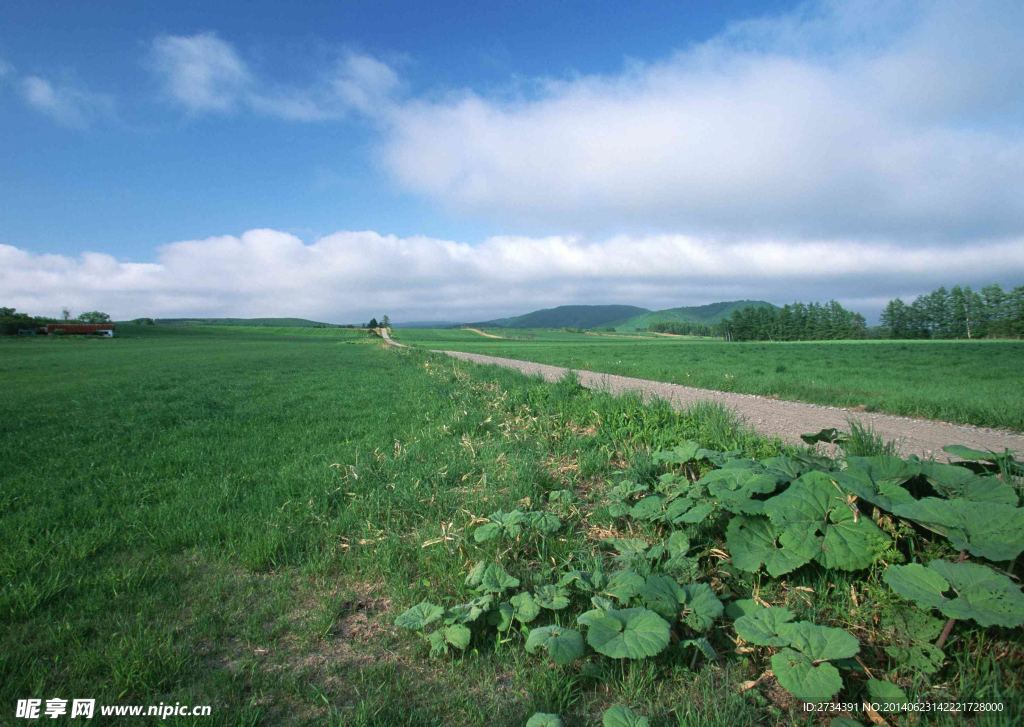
[(775, 417)]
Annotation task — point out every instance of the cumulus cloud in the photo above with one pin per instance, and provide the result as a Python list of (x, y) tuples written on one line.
[(206, 74), (349, 276), (854, 119), (65, 104)]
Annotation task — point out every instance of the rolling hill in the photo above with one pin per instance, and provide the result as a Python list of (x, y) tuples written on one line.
[(710, 313), (275, 322), (568, 316)]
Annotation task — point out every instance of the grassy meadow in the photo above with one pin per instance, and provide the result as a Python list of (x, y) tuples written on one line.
[(236, 516), (968, 382)]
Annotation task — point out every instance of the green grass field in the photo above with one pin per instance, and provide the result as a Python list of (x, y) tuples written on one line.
[(970, 382), (235, 517)]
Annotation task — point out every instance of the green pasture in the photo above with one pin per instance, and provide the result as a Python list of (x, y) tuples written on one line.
[(236, 516), (970, 382)]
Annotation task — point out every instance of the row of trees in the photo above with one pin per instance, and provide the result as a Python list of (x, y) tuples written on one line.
[(384, 322), (795, 322), (957, 313), (685, 328)]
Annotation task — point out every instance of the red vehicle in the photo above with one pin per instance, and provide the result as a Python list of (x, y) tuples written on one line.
[(81, 329)]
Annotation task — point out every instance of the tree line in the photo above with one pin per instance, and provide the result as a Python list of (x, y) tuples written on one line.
[(685, 328), (959, 312), (795, 322)]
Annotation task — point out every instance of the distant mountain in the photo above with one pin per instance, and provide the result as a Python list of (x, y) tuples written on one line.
[(711, 313), (568, 316), (268, 322)]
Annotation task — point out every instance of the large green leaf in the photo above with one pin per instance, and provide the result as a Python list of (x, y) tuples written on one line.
[(820, 643), (457, 635), (786, 469), (438, 646), (680, 454), (803, 670), (662, 595), (753, 542), (562, 645), (985, 529), (816, 505), (545, 523), (504, 523), (917, 657), (624, 585), (501, 617), (585, 581), (885, 469), (544, 719), (648, 508), (525, 607), (620, 716), (678, 564), (631, 633), (701, 606), (800, 676), (419, 616), (760, 625), (676, 544), (982, 594), (551, 597), (702, 645), (878, 480), (952, 481), (468, 612), (685, 511), (909, 633), (735, 489), (911, 624), (883, 691), (959, 450), (496, 579)]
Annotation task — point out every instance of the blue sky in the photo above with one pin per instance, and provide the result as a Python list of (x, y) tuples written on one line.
[(150, 174), (245, 158)]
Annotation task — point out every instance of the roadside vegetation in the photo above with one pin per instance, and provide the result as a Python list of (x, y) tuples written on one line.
[(968, 382)]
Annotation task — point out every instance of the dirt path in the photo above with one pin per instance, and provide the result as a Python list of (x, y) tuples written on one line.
[(774, 417), (785, 419), (386, 335), (485, 334)]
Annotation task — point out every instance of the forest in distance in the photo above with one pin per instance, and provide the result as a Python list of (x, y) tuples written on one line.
[(957, 312)]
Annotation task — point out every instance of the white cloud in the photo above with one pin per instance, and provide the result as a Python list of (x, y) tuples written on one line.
[(206, 74), (65, 104), (365, 83), (201, 72), (349, 276), (867, 119)]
